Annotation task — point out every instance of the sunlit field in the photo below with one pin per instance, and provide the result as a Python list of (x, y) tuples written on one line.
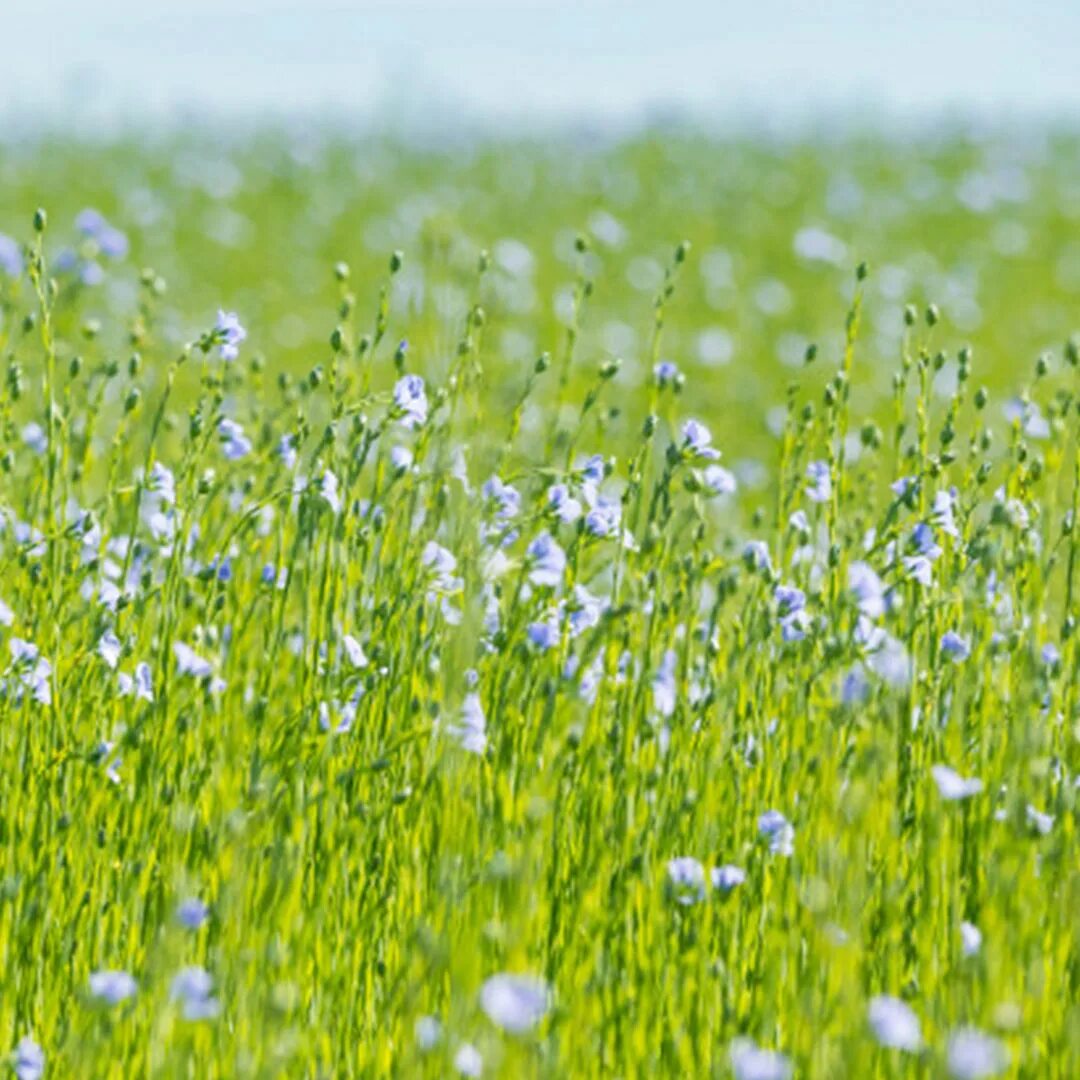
[(581, 607)]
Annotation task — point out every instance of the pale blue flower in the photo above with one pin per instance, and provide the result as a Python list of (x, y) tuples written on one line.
[(506, 498), (544, 634), (698, 440), (411, 400), (756, 554), (35, 437), (193, 988), (819, 488), (564, 506), (686, 880), (868, 589), (188, 662), (728, 877), (924, 541), (666, 372), (720, 481), (750, 1062), (192, 913), (234, 442), (112, 987), (229, 334), (973, 1055), (900, 488), (28, 1060), (11, 261), (140, 685), (471, 729), (401, 457), (515, 1003), (593, 469), (162, 483), (954, 646), (428, 1033), (663, 685), (920, 568), (942, 513), (287, 451), (778, 831), (109, 648), (603, 519), (468, 1061), (546, 560), (585, 610), (895, 1024)]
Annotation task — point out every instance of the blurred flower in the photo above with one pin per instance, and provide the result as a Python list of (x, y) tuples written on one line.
[(954, 646), (726, 878), (468, 1061), (895, 1024), (112, 987), (28, 1060), (819, 489), (952, 785), (471, 729), (663, 686), (515, 1003), (686, 880), (750, 1062), (972, 1055), (192, 913), (970, 939), (10, 256), (778, 831), (193, 988)]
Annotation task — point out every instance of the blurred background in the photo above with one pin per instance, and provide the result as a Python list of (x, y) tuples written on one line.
[(241, 149), (512, 61)]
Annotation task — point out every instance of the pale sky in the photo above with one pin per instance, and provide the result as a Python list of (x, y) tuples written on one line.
[(96, 62)]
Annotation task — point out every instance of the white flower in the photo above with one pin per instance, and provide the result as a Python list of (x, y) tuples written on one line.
[(952, 785), (895, 1024), (515, 1003), (972, 1055)]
